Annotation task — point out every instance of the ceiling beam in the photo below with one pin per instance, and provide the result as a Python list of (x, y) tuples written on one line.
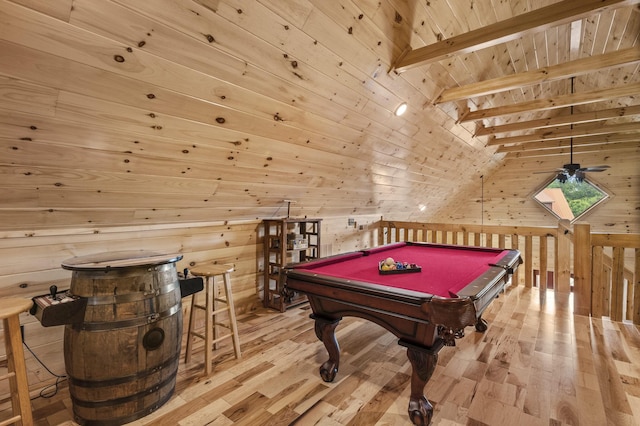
[(553, 103), (610, 140), (606, 147), (504, 31), (562, 120), (633, 126), (528, 78)]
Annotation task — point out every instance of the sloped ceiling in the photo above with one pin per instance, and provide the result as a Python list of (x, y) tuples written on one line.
[(147, 112)]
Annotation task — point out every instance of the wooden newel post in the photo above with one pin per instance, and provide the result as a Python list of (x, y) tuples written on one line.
[(563, 257), (582, 258), (636, 291)]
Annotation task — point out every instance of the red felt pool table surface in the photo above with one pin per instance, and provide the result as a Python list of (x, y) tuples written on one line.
[(445, 269)]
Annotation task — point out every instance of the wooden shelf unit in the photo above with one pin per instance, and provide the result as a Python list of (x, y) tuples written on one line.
[(287, 240)]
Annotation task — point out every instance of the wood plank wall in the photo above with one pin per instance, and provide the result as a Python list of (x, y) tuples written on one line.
[(31, 263), (507, 199), (121, 113)]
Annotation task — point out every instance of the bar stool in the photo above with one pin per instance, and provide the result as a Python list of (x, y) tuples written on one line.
[(210, 336), (10, 310)]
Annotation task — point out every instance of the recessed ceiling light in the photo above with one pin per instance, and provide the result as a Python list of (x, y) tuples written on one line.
[(402, 108)]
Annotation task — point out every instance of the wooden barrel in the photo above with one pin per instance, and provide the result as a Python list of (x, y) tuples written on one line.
[(122, 360)]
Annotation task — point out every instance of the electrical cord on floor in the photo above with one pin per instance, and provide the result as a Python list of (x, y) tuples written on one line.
[(46, 392)]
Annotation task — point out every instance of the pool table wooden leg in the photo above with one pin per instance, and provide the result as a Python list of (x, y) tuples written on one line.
[(325, 331), (423, 363)]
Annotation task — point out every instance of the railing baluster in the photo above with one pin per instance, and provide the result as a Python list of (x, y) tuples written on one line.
[(617, 284), (528, 261), (636, 288), (543, 266), (600, 285)]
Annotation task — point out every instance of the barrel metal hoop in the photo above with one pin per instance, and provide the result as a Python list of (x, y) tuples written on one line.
[(124, 399), (126, 419), (131, 297), (135, 322), (127, 379)]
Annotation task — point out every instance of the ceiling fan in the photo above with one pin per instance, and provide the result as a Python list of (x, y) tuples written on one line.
[(573, 170)]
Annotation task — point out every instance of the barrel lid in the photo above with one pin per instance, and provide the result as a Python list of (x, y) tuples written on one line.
[(120, 259)]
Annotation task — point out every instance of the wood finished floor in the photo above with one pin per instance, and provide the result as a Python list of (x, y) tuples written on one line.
[(535, 365)]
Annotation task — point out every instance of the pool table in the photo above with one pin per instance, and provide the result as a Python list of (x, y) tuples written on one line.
[(426, 306)]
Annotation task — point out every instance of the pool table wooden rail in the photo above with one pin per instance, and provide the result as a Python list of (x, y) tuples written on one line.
[(409, 315)]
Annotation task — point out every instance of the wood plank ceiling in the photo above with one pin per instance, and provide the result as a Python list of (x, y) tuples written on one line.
[(508, 108), (127, 113)]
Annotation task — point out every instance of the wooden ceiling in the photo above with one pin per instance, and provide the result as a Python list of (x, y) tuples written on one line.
[(118, 112), (572, 73)]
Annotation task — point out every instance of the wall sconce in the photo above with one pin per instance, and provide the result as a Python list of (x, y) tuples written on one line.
[(402, 108)]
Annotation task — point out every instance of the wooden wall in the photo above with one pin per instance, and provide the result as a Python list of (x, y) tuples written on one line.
[(508, 194), (133, 113), (32, 262)]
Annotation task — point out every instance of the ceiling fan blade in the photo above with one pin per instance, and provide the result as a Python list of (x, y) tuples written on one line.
[(604, 166), (550, 171), (594, 169)]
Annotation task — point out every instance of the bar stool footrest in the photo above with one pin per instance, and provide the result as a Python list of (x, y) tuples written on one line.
[(10, 421)]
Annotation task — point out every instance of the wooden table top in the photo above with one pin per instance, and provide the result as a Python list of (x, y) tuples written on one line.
[(120, 259)]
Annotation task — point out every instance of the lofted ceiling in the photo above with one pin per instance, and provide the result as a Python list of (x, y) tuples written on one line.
[(118, 112), (571, 71)]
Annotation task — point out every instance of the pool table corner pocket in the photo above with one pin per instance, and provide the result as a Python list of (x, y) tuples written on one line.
[(451, 316)]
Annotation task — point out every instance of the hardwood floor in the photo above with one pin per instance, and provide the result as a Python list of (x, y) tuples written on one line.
[(535, 365)]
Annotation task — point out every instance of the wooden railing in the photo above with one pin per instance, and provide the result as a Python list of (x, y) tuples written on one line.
[(608, 265), (605, 283)]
